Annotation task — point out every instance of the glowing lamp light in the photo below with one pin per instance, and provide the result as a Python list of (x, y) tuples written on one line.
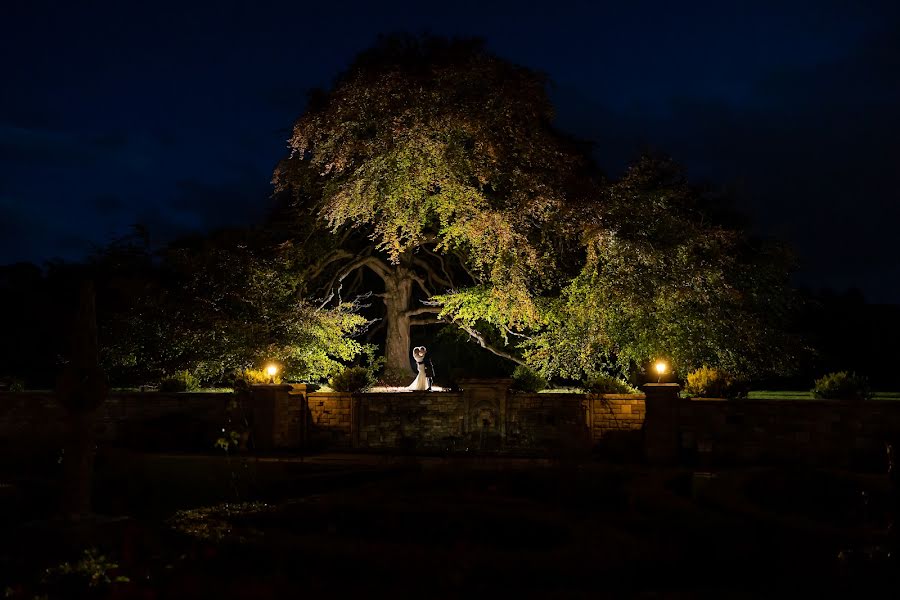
[(661, 368), (272, 371)]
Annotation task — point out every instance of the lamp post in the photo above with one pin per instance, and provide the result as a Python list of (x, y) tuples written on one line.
[(272, 371), (661, 368)]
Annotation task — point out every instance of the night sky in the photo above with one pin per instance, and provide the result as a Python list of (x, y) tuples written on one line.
[(175, 115)]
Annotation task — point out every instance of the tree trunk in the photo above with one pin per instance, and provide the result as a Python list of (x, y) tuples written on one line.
[(397, 297)]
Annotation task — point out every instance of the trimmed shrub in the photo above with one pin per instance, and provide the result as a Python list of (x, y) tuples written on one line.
[(352, 379), (842, 386), (709, 382), (607, 384), (180, 381), (393, 378), (527, 380)]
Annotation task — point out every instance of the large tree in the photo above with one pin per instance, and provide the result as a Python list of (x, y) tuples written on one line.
[(434, 166), (431, 175)]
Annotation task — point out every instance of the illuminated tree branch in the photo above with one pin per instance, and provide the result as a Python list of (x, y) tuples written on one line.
[(336, 284), (431, 273), (490, 348), (423, 310)]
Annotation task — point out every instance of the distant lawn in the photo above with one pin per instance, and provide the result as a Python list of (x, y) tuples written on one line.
[(807, 395)]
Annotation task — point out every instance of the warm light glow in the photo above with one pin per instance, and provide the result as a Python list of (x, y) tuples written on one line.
[(661, 367), (272, 370)]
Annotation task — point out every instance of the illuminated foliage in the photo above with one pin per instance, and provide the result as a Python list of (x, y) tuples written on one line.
[(707, 382), (664, 277), (224, 304), (435, 165), (434, 161), (842, 386)]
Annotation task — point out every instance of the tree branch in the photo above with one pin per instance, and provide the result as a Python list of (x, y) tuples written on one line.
[(423, 310), (426, 321), (362, 261), (447, 276), (432, 274), (483, 343), (462, 263), (381, 268), (372, 330), (334, 256), (422, 284)]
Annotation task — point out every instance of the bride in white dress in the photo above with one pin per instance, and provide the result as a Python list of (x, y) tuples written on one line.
[(423, 379)]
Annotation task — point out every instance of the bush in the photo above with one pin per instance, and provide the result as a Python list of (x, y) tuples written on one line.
[(12, 384), (180, 381), (709, 382), (352, 379), (842, 386), (259, 376), (607, 384), (526, 380)]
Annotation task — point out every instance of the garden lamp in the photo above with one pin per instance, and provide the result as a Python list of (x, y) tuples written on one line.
[(661, 368), (272, 371)]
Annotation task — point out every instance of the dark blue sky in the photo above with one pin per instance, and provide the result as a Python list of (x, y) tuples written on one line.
[(174, 115)]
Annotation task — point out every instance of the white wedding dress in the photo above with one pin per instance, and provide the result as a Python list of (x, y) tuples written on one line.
[(421, 382)]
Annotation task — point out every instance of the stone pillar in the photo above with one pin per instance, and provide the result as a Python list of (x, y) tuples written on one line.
[(279, 416), (661, 439)]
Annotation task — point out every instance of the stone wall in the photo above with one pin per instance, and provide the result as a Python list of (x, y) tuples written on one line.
[(613, 414), (827, 433), (31, 418), (484, 416), (824, 432), (411, 420), (147, 420), (329, 419), (275, 416)]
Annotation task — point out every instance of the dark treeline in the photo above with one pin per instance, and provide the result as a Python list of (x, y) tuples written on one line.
[(37, 305)]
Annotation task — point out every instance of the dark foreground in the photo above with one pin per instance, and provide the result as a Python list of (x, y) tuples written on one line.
[(372, 527)]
